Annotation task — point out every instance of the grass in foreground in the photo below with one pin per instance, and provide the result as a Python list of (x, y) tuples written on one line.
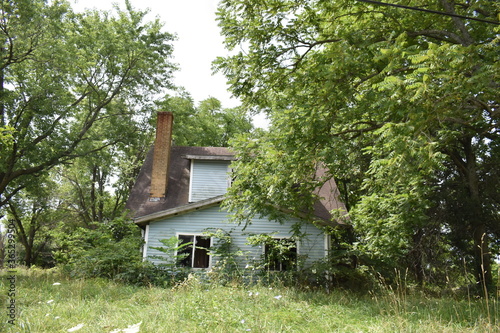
[(103, 306)]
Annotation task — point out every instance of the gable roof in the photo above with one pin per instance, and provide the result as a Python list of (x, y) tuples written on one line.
[(176, 200)]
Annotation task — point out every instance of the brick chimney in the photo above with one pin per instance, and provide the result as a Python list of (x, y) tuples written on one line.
[(161, 156)]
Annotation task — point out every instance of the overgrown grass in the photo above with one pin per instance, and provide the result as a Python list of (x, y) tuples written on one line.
[(104, 306)]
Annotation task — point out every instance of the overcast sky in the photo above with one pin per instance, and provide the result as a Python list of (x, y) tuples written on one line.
[(198, 41), (198, 44)]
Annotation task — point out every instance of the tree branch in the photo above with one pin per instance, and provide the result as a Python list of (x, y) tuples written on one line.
[(309, 46), (458, 22), (372, 127), (437, 34)]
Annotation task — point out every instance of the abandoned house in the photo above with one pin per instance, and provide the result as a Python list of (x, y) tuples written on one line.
[(179, 191)]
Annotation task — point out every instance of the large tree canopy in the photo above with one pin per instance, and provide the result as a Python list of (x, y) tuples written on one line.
[(401, 106), (78, 93), (208, 124), (70, 83)]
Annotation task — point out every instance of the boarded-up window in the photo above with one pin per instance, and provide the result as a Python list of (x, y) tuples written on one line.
[(195, 254), (208, 179)]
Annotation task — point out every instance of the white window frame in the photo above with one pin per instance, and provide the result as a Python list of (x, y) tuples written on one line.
[(328, 244), (194, 248), (145, 233), (229, 176), (191, 168)]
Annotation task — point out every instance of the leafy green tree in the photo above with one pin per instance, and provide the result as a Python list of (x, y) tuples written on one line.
[(34, 212), (207, 125), (397, 104), (62, 74), (95, 187), (92, 188)]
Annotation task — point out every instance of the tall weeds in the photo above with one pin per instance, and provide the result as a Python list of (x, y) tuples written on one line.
[(197, 306)]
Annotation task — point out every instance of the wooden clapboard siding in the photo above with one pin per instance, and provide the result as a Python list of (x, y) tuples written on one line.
[(196, 222), (209, 178)]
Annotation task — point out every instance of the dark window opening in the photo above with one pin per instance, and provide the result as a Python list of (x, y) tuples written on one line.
[(281, 254), (195, 254)]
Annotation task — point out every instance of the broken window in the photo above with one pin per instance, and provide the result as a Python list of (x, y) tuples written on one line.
[(195, 253), (280, 254)]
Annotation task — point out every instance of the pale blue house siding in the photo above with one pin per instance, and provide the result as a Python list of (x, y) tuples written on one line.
[(209, 178), (195, 222)]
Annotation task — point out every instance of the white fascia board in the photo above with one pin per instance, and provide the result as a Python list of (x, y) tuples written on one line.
[(180, 210), (210, 157)]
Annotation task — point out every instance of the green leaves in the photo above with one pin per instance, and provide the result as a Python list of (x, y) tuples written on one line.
[(64, 74), (109, 251), (208, 124), (395, 103)]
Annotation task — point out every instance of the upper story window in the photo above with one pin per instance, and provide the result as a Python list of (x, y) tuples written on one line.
[(209, 177)]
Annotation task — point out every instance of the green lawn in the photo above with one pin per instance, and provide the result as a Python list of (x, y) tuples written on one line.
[(102, 306)]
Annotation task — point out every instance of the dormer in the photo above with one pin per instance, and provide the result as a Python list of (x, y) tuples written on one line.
[(210, 176)]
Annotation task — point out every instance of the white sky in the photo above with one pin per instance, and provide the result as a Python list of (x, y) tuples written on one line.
[(198, 42)]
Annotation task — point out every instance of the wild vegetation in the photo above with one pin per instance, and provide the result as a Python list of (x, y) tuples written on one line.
[(77, 115), (51, 302), (399, 106)]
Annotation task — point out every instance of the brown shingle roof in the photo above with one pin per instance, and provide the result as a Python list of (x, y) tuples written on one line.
[(178, 185)]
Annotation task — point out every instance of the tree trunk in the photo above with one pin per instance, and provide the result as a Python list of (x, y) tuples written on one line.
[(2, 250), (416, 257), (481, 243), (101, 184), (93, 198), (28, 250), (2, 94)]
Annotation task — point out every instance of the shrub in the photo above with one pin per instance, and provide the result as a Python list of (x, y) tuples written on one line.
[(110, 250)]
